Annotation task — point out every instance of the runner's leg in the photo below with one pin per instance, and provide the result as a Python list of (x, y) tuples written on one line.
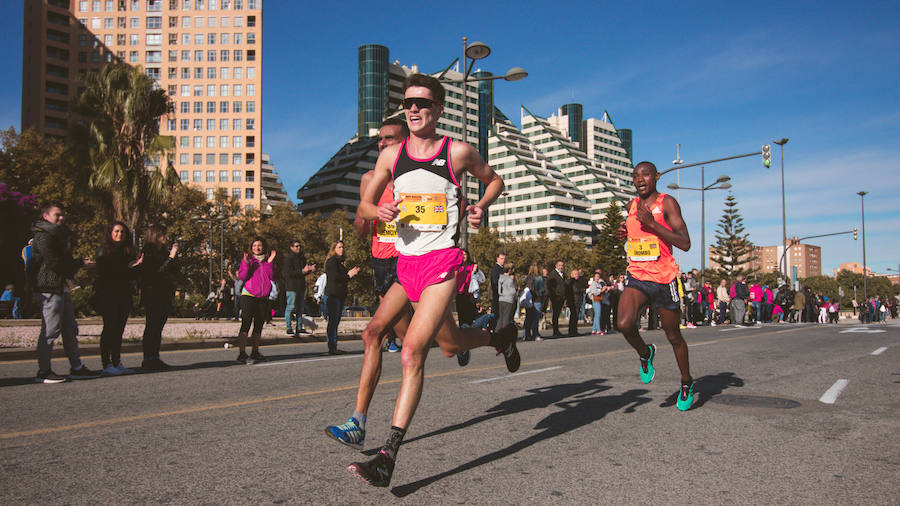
[(669, 319), (630, 303), (393, 312)]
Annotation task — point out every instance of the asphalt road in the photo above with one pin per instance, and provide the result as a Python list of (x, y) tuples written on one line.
[(575, 425)]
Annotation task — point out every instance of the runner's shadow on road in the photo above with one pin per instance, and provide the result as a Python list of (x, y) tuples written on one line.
[(541, 397), (574, 414), (707, 387)]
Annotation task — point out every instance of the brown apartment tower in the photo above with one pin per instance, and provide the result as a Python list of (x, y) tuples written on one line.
[(207, 54)]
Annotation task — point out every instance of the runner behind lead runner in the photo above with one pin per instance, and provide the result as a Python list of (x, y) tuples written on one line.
[(654, 224), (425, 170)]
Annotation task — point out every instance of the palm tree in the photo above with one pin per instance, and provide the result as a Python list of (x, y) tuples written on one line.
[(122, 107)]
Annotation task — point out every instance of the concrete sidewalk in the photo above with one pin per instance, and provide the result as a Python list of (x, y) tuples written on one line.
[(18, 338)]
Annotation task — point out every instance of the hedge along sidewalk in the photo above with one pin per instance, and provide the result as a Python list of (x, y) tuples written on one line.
[(18, 338)]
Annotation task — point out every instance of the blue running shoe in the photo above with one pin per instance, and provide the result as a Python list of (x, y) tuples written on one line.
[(685, 397), (647, 370), (349, 433), (463, 358), (393, 348)]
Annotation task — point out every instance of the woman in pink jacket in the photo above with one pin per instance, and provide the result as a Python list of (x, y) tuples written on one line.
[(257, 272)]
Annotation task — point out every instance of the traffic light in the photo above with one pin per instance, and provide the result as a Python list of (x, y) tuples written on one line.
[(767, 155), (854, 234)]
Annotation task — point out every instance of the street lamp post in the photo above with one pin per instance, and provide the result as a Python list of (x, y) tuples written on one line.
[(470, 53), (721, 183), (781, 144), (676, 162), (862, 202)]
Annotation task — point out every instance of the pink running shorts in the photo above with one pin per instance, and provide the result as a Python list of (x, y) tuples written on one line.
[(416, 273)]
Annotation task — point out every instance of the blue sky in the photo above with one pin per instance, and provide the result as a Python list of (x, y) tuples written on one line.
[(721, 78)]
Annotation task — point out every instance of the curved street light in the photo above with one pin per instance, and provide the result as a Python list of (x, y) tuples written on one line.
[(721, 183), (476, 51)]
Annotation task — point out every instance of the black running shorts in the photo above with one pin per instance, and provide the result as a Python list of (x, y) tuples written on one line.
[(384, 274), (661, 295)]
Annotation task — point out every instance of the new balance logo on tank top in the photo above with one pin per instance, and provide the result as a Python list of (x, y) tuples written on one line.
[(430, 202)]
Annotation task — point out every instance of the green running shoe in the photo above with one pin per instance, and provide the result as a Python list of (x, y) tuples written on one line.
[(685, 397), (647, 370)]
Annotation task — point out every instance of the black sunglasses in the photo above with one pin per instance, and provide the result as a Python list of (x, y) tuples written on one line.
[(420, 103)]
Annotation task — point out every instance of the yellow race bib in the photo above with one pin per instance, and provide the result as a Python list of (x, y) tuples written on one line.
[(423, 211), (386, 232), (643, 250)]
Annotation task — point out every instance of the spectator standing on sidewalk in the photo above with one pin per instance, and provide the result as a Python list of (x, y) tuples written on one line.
[(723, 299), (497, 270), (113, 293), (257, 271), (574, 299), (338, 276), (797, 310), (295, 270), (157, 290), (54, 266), (739, 294), (596, 290), (507, 295), (556, 287)]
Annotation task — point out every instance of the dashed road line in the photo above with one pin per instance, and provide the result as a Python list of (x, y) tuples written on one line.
[(831, 395), (505, 376), (879, 351)]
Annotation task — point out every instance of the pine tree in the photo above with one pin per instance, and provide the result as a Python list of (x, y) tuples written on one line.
[(733, 250), (609, 251)]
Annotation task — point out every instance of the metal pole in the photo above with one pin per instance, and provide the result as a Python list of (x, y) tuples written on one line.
[(702, 225), (209, 253), (464, 233), (783, 218), (862, 201)]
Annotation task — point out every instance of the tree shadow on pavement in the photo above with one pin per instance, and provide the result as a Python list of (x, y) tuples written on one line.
[(707, 387), (574, 414), (541, 397)]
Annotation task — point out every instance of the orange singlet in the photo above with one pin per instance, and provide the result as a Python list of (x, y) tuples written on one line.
[(649, 256), (384, 235)]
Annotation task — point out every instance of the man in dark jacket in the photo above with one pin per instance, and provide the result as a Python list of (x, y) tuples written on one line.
[(496, 271), (575, 300), (295, 271), (55, 266), (556, 288)]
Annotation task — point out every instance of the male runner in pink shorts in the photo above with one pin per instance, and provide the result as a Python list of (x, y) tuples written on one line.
[(425, 170)]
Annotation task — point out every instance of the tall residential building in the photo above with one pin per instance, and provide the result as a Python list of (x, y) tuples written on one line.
[(206, 54), (273, 192), (803, 260), (560, 172), (380, 87)]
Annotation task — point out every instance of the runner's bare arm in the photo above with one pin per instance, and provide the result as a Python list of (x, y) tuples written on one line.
[(368, 205), (360, 224), (465, 157), (678, 236)]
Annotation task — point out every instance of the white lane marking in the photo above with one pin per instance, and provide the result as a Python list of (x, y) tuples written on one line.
[(879, 351), (303, 360), (701, 344), (832, 394), (738, 327), (861, 330), (515, 374)]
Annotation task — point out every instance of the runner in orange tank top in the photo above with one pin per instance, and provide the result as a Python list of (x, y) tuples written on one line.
[(654, 224)]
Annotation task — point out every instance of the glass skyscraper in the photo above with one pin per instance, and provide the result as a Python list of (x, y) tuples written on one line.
[(372, 87)]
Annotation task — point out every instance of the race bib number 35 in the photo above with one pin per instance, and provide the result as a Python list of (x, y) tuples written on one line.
[(423, 211), (643, 250)]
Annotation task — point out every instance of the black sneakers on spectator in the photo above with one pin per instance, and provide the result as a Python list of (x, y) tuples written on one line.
[(49, 377), (256, 357), (83, 373)]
